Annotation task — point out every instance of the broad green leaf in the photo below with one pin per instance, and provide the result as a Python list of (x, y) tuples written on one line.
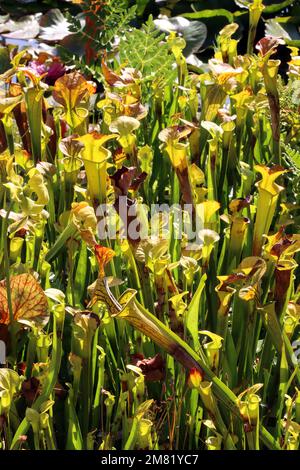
[(192, 318), (276, 7), (210, 14)]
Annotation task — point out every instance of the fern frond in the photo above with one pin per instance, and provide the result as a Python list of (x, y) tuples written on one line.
[(292, 158), (108, 20), (146, 50)]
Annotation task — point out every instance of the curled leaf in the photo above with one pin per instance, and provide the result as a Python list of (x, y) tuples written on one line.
[(153, 368), (267, 46), (103, 255)]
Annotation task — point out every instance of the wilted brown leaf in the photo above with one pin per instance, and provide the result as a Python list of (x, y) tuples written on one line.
[(153, 368), (268, 45)]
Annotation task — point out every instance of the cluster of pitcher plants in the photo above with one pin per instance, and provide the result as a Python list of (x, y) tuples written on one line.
[(153, 342)]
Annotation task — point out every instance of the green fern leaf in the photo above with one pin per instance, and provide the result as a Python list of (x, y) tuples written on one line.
[(292, 157), (146, 50)]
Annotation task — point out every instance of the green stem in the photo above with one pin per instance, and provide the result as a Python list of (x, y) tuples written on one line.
[(68, 232), (50, 382)]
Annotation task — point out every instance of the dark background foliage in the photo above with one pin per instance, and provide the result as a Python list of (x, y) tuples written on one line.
[(279, 18)]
